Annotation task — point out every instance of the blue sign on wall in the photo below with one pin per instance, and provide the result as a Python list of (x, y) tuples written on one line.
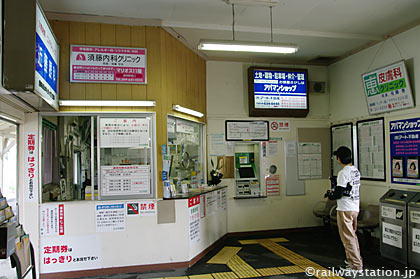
[(280, 89), (405, 151), (45, 65)]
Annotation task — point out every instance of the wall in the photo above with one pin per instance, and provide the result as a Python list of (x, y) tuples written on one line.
[(175, 74), (227, 98), (348, 101)]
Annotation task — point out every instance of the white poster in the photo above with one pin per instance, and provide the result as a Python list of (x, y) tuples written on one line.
[(341, 135), (389, 212), (110, 217), (416, 240), (415, 217), (70, 253), (247, 130), (31, 168), (309, 160), (124, 132), (186, 127), (392, 234), (224, 199), (211, 203), (125, 180), (217, 145), (290, 149), (194, 219), (273, 148), (51, 219)]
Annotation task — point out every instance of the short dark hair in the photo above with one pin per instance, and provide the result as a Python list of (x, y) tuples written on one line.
[(344, 153)]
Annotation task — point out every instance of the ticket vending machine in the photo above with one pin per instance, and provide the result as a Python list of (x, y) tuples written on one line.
[(247, 170)]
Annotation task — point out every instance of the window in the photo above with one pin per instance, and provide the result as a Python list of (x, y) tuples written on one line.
[(80, 152), (186, 152)]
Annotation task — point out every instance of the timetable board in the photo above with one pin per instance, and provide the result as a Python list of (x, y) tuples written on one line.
[(125, 180), (244, 130), (341, 135), (370, 148)]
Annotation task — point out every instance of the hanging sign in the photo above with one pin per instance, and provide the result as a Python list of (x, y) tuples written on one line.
[(31, 176), (108, 64), (388, 89), (405, 151), (46, 64), (124, 132)]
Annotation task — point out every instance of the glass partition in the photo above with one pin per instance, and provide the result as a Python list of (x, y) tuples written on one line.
[(186, 154)]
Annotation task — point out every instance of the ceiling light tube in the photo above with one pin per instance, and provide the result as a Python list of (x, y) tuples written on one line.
[(243, 46), (187, 111), (106, 103)]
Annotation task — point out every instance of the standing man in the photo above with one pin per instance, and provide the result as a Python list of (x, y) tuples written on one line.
[(347, 195)]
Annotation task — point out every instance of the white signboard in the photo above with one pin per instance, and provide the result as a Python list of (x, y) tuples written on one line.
[(415, 217), (247, 130), (389, 212), (65, 253), (108, 64), (280, 126), (416, 240), (47, 58), (392, 234), (388, 89), (211, 203), (184, 126), (31, 171), (309, 160), (125, 180), (341, 135), (51, 219), (110, 217), (194, 219), (147, 208), (124, 132)]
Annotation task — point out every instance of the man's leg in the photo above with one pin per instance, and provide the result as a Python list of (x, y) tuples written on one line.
[(346, 225)]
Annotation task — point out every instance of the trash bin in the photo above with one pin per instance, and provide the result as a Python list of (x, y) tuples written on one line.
[(394, 221), (414, 232)]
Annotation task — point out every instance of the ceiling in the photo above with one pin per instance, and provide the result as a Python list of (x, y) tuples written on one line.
[(322, 29)]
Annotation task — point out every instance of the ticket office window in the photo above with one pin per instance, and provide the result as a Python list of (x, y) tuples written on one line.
[(186, 153), (91, 155)]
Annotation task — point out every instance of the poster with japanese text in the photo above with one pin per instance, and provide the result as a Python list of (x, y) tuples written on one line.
[(30, 161), (194, 219), (108, 64), (405, 150), (125, 180), (110, 217), (70, 253), (273, 185), (388, 89), (147, 208), (124, 132), (51, 219)]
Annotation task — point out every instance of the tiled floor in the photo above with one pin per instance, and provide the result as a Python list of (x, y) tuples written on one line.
[(284, 255)]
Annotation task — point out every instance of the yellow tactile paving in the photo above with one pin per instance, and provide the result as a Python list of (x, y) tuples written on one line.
[(224, 275), (202, 276), (291, 269), (241, 268), (269, 271), (224, 255), (177, 277), (257, 241)]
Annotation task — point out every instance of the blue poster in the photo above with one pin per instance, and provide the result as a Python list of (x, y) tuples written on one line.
[(405, 151)]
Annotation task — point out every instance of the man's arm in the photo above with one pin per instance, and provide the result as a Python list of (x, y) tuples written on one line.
[(336, 194)]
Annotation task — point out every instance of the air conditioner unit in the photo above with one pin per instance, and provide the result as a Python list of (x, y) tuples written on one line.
[(262, 3), (317, 87)]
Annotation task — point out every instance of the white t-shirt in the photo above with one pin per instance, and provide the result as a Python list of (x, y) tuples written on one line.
[(349, 174)]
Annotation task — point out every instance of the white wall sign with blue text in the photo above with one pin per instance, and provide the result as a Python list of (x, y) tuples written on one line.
[(46, 62)]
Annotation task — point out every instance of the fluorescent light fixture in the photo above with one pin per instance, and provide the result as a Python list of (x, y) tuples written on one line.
[(242, 46), (187, 111), (103, 103), (260, 3)]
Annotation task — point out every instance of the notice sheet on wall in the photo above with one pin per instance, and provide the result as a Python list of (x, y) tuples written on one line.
[(273, 185), (51, 219), (70, 253), (124, 132), (194, 218), (110, 217), (309, 160), (247, 130), (341, 135), (125, 180), (370, 146)]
